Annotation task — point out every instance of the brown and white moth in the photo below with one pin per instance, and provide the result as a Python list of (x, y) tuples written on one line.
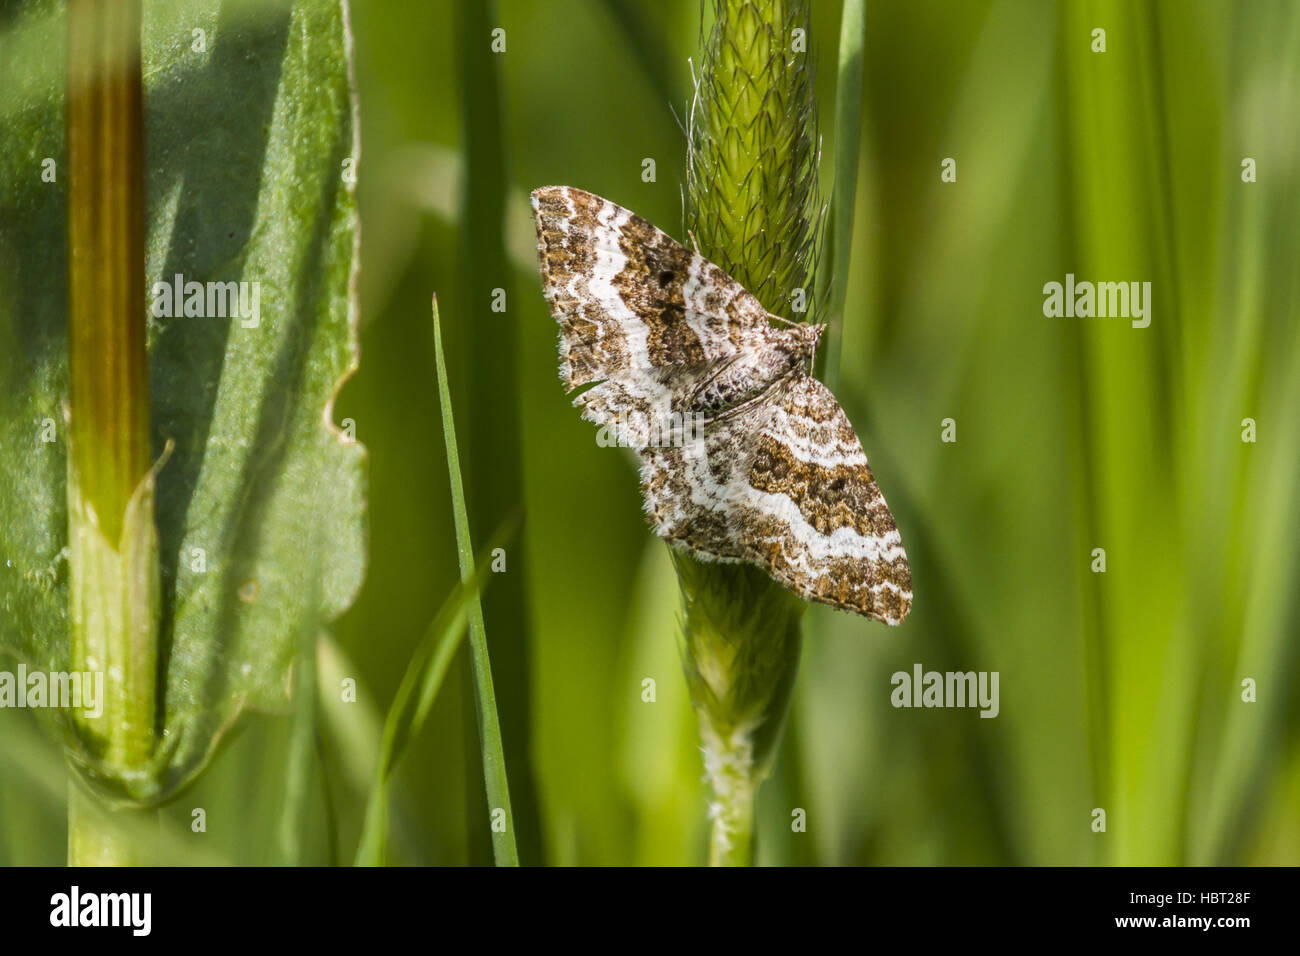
[(652, 336)]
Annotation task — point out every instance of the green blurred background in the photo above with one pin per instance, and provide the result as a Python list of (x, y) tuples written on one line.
[(1119, 691)]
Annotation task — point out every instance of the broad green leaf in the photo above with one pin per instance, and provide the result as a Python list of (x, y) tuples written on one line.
[(250, 153)]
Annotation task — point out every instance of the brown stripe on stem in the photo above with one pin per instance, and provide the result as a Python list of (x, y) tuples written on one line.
[(106, 303)]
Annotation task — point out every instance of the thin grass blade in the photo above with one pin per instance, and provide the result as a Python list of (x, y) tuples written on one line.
[(504, 848), (848, 133), (415, 696)]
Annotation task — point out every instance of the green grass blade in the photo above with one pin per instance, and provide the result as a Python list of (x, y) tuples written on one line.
[(504, 848), (415, 695), (848, 134)]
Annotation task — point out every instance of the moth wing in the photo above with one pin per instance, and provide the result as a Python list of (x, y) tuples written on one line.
[(786, 486), (630, 300), (836, 540)]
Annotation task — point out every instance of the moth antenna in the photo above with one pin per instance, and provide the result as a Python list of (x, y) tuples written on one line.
[(813, 358), (694, 242)]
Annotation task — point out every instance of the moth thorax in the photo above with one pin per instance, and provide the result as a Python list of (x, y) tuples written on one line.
[(744, 378), (809, 336)]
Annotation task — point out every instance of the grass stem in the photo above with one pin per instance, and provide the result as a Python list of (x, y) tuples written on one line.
[(113, 545), (753, 207)]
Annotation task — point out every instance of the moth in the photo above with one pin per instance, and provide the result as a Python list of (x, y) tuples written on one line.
[(744, 455)]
